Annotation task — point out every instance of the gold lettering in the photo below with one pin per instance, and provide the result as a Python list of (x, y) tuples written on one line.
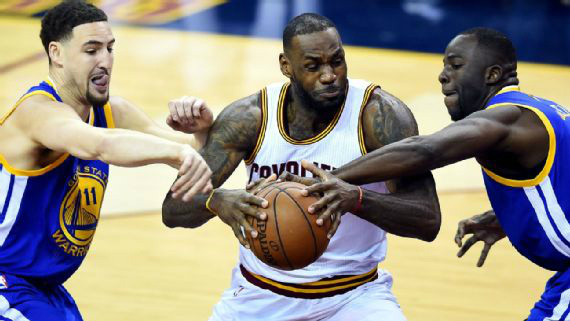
[(69, 248), (58, 237), (64, 246)]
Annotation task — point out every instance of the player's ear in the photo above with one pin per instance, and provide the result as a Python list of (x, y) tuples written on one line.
[(493, 74), (55, 52), (284, 65)]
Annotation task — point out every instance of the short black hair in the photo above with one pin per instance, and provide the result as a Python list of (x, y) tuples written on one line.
[(305, 24), (495, 41), (59, 21)]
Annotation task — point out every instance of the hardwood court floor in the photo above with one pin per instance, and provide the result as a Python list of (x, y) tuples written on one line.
[(137, 269)]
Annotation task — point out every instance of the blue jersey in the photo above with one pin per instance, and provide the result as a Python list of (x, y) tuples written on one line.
[(48, 216), (534, 213)]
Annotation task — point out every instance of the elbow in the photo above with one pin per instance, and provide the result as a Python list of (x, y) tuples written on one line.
[(173, 217), (167, 220), (168, 217), (432, 226)]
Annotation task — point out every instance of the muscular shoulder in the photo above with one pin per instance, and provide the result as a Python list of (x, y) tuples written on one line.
[(386, 119), (122, 110), (38, 108), (119, 103), (238, 124)]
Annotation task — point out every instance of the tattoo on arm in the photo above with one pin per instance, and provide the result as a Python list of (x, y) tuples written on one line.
[(412, 207), (386, 120), (231, 139)]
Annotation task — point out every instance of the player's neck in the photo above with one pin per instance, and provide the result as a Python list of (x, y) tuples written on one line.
[(304, 120), (70, 95)]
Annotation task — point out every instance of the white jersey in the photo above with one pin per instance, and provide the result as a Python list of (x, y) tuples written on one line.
[(358, 245)]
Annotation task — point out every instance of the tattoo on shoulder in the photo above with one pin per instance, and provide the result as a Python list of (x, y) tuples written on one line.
[(232, 137), (386, 119)]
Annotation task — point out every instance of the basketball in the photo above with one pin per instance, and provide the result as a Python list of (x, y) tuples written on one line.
[(290, 238)]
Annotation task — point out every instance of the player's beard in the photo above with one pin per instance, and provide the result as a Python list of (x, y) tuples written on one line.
[(96, 101), (309, 101)]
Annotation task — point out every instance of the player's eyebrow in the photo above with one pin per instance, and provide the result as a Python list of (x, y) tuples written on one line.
[(96, 42), (451, 56), (310, 55)]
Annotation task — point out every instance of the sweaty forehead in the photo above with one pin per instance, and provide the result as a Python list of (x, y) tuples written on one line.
[(94, 31), (316, 43)]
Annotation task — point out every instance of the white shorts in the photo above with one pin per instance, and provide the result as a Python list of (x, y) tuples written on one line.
[(244, 301)]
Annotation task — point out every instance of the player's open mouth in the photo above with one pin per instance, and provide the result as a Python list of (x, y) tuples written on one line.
[(100, 81)]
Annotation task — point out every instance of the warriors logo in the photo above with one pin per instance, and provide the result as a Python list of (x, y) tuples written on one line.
[(79, 212)]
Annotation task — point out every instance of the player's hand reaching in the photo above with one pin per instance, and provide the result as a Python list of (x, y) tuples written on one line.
[(286, 176), (484, 227), (338, 197), (256, 186), (234, 206), (193, 175), (189, 115)]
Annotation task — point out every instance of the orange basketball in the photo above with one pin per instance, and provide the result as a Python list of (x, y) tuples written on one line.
[(290, 238)]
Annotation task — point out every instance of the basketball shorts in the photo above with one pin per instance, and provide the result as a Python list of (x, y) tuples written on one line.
[(21, 300), (244, 301), (554, 302)]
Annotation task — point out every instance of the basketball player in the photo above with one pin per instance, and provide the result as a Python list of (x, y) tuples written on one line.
[(323, 116), (56, 145), (519, 140)]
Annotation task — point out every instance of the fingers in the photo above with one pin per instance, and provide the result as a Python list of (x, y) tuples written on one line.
[(484, 253), (258, 185), (186, 109), (288, 177), (208, 188), (257, 201), (239, 235), (247, 227), (194, 176), (181, 108), (203, 181), (173, 111), (319, 187), (320, 204), (336, 222), (472, 240), (197, 108), (327, 214), (253, 211), (317, 172), (183, 175), (460, 233)]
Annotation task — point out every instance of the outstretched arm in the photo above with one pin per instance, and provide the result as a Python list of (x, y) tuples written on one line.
[(231, 138), (56, 127), (198, 120), (463, 139), (412, 208)]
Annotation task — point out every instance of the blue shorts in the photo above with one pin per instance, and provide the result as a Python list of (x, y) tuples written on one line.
[(24, 301), (554, 302)]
